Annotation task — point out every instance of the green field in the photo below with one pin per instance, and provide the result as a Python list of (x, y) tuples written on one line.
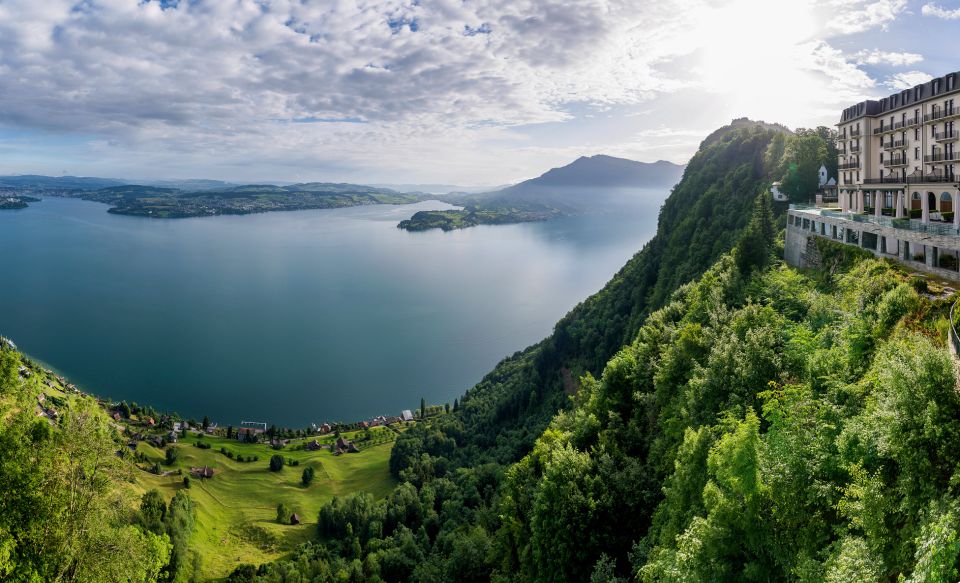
[(236, 509)]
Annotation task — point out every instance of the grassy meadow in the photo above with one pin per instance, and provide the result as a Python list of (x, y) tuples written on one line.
[(236, 509)]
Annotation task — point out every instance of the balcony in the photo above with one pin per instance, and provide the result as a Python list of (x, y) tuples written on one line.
[(854, 133), (884, 129), (896, 161), (848, 166), (854, 149), (885, 180), (841, 151), (891, 145), (912, 179), (946, 136), (942, 113), (942, 157)]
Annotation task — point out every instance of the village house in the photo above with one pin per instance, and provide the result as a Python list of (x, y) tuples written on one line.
[(172, 436), (325, 428), (294, 518), (406, 415), (344, 446), (248, 434), (313, 446), (202, 473)]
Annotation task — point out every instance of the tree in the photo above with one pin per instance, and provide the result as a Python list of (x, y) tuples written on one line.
[(283, 513), (186, 481), (423, 408), (276, 463), (153, 511), (446, 407), (754, 250), (172, 455), (180, 521), (307, 476), (206, 422), (805, 152)]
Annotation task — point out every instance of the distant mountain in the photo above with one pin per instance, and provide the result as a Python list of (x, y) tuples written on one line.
[(440, 188), (59, 182), (604, 172), (584, 185)]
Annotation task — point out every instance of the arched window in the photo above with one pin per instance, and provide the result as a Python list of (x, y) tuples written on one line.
[(888, 198), (946, 202), (915, 200)]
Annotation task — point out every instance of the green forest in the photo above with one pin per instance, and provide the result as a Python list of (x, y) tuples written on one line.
[(710, 415)]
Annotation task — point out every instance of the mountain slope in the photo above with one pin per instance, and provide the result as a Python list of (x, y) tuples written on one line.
[(700, 221)]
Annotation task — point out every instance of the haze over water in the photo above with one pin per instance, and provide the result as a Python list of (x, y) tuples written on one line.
[(294, 317)]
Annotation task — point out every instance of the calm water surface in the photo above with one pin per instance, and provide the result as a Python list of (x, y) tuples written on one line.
[(294, 317)]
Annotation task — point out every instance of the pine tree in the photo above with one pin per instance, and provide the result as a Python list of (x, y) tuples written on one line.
[(755, 247)]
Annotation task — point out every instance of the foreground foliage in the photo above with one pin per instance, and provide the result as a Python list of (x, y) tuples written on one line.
[(65, 514)]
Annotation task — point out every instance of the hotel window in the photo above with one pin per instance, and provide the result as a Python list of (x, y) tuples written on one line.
[(916, 132), (916, 153), (936, 86), (951, 82)]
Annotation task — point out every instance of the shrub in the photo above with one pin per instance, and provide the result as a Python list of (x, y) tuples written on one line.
[(173, 454), (307, 476), (283, 513), (276, 463), (186, 481)]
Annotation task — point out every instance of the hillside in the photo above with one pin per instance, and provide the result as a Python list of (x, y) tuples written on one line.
[(470, 453), (171, 203), (583, 185), (764, 425)]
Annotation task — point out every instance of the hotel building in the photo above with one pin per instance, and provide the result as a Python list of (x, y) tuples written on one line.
[(897, 181)]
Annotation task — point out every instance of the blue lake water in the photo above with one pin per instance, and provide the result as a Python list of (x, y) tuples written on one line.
[(294, 317)]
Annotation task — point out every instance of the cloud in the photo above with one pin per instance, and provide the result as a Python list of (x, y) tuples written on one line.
[(402, 90), (938, 11), (855, 16), (878, 57), (901, 81)]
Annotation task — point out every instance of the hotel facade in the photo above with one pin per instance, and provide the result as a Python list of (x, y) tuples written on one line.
[(897, 184)]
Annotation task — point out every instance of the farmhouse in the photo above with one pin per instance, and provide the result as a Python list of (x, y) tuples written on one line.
[(204, 472), (343, 446), (406, 415), (313, 446)]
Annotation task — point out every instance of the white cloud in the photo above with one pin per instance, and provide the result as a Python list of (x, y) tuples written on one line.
[(395, 90), (853, 16), (878, 57), (939, 12), (901, 81)]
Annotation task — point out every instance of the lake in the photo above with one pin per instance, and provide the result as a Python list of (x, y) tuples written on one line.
[(294, 317)]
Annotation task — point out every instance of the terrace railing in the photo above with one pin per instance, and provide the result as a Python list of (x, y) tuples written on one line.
[(905, 224)]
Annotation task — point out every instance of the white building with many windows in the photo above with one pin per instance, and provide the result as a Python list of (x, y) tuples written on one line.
[(898, 182)]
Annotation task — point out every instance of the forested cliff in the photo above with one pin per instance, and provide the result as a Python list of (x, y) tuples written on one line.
[(731, 418)]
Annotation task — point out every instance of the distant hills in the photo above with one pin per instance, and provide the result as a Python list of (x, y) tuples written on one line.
[(576, 187), (58, 182), (584, 184)]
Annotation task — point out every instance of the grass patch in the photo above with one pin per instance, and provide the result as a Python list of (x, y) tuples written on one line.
[(236, 509)]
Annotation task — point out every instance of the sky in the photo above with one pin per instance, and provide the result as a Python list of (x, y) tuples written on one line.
[(467, 92)]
